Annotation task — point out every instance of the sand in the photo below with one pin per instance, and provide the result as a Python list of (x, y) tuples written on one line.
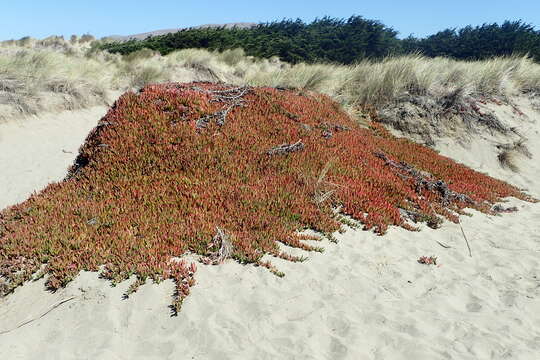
[(35, 151), (366, 297)]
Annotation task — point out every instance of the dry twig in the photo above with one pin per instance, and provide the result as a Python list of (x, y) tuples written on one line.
[(466, 241), (38, 317)]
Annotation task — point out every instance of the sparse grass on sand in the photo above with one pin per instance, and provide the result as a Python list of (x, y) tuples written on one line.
[(220, 171)]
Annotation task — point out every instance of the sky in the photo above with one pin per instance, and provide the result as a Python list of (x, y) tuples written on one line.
[(42, 18)]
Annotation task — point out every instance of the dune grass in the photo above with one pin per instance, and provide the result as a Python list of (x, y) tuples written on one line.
[(78, 75), (221, 171), (36, 80)]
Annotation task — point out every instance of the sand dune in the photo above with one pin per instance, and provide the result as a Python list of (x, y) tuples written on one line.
[(38, 150), (366, 297)]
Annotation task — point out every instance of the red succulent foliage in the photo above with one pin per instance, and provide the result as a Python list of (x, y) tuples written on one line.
[(170, 164), (427, 260)]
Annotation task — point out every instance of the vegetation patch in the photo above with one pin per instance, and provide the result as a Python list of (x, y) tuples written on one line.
[(225, 171)]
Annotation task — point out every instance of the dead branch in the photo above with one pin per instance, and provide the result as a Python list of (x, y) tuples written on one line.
[(424, 180), (329, 129), (335, 127), (238, 94), (501, 209), (225, 91), (221, 241), (286, 148), (220, 116)]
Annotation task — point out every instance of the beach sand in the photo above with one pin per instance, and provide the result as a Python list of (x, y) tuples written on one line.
[(35, 151), (365, 297)]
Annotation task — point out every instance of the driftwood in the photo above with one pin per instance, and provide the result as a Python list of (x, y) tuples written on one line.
[(220, 117), (327, 134), (501, 209), (232, 97), (424, 180), (286, 148), (336, 127), (329, 129), (104, 123), (409, 214), (221, 241)]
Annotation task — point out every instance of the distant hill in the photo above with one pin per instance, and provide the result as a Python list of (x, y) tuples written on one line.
[(142, 36)]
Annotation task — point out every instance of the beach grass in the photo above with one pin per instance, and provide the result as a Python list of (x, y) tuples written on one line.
[(77, 74)]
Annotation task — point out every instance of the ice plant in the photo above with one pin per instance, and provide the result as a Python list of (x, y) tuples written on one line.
[(427, 260), (169, 165)]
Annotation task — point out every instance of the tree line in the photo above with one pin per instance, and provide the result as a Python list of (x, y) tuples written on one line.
[(346, 41)]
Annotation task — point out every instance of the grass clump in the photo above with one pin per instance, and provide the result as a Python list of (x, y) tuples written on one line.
[(35, 80), (510, 154), (225, 171)]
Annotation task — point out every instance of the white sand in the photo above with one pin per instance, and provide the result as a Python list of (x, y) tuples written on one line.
[(38, 150), (364, 298)]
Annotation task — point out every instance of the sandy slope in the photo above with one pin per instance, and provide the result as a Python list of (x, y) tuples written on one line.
[(36, 151), (364, 298)]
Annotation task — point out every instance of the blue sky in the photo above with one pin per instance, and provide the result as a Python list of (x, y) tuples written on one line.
[(41, 18)]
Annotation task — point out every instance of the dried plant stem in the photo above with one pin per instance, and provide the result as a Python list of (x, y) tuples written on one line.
[(38, 317), (443, 244), (466, 241)]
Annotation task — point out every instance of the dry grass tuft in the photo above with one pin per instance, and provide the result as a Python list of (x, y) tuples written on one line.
[(34, 80), (510, 154), (507, 159)]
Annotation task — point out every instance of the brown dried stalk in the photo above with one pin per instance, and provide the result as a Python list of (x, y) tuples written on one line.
[(38, 317)]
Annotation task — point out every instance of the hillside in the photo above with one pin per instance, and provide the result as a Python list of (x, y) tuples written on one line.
[(142, 36)]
